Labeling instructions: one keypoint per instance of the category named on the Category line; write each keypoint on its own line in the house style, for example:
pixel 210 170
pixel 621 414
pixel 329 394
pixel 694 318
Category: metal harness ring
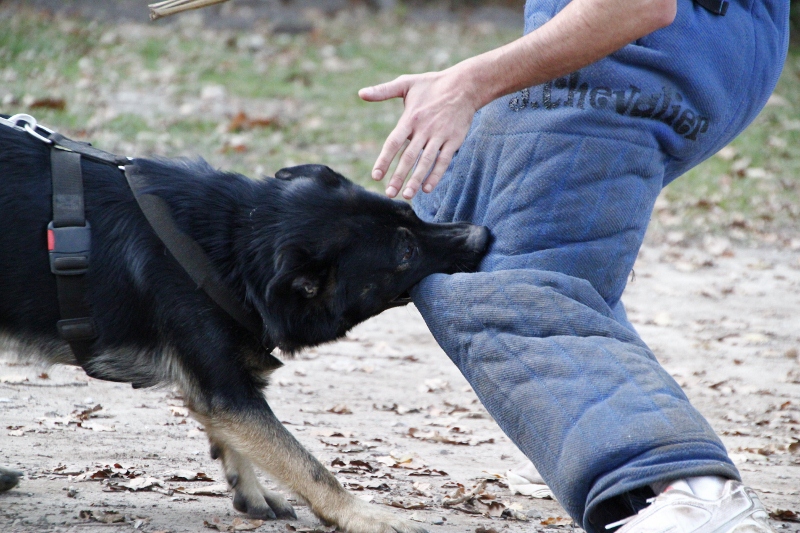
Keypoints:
pixel 29 125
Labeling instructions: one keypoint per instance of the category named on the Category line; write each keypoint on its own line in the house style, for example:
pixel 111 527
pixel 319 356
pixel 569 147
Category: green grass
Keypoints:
pixel 137 90
pixel 315 77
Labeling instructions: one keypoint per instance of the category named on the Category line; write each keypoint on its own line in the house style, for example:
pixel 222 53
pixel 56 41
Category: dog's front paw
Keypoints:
pixel 365 518
pixel 263 504
pixel 8 479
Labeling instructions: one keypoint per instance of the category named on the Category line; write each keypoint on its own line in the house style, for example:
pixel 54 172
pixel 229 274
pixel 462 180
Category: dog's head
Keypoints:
pixel 339 254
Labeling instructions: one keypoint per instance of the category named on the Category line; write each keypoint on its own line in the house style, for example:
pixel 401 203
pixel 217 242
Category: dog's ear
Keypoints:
pixel 320 172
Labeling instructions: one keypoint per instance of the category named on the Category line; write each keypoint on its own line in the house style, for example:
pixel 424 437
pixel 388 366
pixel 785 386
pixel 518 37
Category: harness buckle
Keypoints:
pixel 69 249
pixel 76 329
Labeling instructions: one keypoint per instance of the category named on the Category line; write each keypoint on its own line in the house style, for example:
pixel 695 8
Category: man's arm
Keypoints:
pixel 439 105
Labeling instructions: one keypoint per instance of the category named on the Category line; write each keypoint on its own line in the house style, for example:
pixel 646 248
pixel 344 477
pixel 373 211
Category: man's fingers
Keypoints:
pixel 424 166
pixel 393 89
pixel 404 164
pixel 442 162
pixel 394 143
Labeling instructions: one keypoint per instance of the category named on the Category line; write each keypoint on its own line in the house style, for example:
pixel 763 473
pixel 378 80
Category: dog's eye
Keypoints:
pixel 409 253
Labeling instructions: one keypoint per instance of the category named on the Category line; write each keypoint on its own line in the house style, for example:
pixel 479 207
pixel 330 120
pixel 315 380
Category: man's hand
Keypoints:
pixel 439 105
pixel 438 112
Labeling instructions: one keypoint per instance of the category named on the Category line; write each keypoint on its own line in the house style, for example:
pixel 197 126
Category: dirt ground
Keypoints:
pixel 389 413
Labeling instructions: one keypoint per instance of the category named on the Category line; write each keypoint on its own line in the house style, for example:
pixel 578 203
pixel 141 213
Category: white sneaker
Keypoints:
pixel 736 509
pixel 525 480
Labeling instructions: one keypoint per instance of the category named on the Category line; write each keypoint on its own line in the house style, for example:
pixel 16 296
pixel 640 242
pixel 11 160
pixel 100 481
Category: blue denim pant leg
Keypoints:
pixel 565 176
pixel 540 333
pixel 578 393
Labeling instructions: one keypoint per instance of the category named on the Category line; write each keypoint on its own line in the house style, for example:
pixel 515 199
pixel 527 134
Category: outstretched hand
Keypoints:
pixel 439 105
pixel 438 112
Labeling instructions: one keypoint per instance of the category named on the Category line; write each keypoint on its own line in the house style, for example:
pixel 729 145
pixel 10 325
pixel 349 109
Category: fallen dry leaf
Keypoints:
pixel 403 504
pixel 340 409
pixel 238 524
pixel 356 466
pixel 220 489
pixel 510 513
pixel 87 413
pixel 318 529
pixel 59 104
pixel 435 436
pixel 398 409
pixel 492 509
pixel 394 460
pixel 241 121
pixel 115 472
pixel 461 495
pixel 556 521
pixel 105 517
pixel 423 489
pixel 179 411
pixel 94 426
pixel 188 475
pixel 435 385
pixel 65 470
pixel 242 524
pixel 428 472
pixel 785 515
pixel 139 484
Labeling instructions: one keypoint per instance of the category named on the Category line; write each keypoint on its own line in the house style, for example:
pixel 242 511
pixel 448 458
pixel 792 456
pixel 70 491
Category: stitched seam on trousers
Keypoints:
pixel 501 344
pixel 627 373
pixel 603 397
pixel 518 182
pixel 697 417
pixel 569 134
pixel 605 190
pixel 531 371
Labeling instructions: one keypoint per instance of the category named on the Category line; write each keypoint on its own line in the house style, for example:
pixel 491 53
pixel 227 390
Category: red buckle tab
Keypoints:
pixel 51 240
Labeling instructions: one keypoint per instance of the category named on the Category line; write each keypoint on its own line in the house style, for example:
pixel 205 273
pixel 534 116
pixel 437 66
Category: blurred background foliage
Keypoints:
pixel 253 86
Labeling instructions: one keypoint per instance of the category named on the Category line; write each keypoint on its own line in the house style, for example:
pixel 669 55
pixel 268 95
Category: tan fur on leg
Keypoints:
pixel 262 438
pixel 250 496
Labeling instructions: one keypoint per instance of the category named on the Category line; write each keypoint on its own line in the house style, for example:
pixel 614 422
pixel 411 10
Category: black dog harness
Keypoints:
pixel 69 238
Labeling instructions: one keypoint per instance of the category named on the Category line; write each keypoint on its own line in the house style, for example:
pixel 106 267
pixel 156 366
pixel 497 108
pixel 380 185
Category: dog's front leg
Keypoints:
pixel 250 496
pixel 256 433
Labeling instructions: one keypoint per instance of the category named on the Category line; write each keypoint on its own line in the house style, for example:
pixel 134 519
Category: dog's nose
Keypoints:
pixel 478 239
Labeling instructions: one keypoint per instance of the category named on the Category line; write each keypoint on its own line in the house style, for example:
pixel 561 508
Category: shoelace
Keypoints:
pixel 624 521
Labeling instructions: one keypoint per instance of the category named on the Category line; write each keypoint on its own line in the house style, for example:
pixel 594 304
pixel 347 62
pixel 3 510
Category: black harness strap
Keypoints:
pixel 193 259
pixel 718 7
pixel 87 150
pixel 69 241
pixel 189 254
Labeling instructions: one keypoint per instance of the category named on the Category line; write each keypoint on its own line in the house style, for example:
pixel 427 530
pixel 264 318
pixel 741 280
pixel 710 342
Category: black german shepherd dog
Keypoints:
pixel 308 252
